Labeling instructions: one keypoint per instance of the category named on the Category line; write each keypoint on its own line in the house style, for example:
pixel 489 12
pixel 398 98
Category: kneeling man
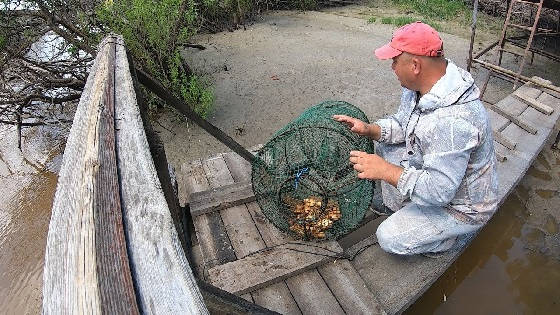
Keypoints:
pixel 435 157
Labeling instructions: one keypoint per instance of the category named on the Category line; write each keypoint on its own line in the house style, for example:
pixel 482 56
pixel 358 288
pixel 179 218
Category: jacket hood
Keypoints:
pixel 455 87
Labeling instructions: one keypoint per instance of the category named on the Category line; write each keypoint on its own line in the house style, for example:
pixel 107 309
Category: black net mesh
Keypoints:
pixel 303 180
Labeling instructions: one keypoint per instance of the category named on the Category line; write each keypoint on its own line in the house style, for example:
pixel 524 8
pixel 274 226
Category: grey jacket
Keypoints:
pixel 450 159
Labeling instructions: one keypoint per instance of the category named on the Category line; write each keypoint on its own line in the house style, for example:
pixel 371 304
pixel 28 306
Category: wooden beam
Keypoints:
pixel 515 75
pixel 498 137
pixel 221 198
pixel 183 108
pixel 163 279
pixel 115 281
pixel 86 261
pixel 512 118
pixel 278 263
pixel 545 109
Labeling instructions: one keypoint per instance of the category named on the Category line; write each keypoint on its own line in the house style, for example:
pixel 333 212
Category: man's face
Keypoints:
pixel 402 66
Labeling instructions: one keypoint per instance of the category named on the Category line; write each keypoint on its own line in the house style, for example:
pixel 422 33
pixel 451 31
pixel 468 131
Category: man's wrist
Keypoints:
pixel 374 131
pixel 392 173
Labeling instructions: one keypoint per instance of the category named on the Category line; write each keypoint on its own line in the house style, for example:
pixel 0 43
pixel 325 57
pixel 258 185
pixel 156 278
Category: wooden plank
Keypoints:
pixel 163 279
pixel 545 109
pixel 70 249
pixel 239 225
pixel 272 265
pixel 210 231
pixel 221 198
pixel 277 296
pixel 361 233
pixel 115 285
pixel 312 294
pixel 501 139
pixel 497 121
pixel 547 91
pixel 499 69
pixel 349 288
pixel 86 266
pixel 398 280
pixel 271 235
pixel 247 297
pixel 239 168
pixel 513 119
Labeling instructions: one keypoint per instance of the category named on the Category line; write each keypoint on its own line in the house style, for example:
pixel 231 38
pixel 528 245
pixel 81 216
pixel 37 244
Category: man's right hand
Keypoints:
pixel 372 131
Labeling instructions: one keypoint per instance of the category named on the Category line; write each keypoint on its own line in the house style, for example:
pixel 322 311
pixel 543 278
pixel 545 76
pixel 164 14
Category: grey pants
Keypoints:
pixel 414 229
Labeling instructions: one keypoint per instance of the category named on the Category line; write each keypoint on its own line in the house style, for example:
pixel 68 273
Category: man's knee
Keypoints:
pixel 389 241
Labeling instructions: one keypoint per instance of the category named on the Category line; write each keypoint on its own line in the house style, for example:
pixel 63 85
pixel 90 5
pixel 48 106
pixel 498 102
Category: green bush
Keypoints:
pixel 154 32
pixel 371 20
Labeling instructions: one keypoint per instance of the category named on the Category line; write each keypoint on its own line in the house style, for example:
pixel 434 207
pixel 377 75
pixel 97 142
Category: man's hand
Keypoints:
pixel 372 166
pixel 372 131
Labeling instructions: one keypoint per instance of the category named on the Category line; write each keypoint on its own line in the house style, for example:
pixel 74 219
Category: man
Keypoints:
pixel 435 157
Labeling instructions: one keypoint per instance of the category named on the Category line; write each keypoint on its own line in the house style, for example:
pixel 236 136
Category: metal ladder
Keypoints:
pixel 504 40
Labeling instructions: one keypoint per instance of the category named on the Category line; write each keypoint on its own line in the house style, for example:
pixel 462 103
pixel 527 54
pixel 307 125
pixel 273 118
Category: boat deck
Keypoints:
pixel 238 250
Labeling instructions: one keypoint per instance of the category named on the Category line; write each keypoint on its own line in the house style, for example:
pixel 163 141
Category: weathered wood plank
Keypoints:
pixel 163 278
pixel 397 280
pixel 239 225
pixel 275 264
pixel 545 109
pixel 243 233
pixel 239 168
pixel 349 288
pixel 312 294
pixel 497 121
pixel 81 273
pixel 221 198
pixel 501 139
pixel 210 231
pixel 271 235
pixel 361 233
pixel 513 119
pixel 277 296
pixel 115 285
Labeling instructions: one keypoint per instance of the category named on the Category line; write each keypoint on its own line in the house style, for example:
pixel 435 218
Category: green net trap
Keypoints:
pixel 303 180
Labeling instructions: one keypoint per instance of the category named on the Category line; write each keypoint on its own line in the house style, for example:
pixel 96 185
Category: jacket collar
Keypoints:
pixel 456 86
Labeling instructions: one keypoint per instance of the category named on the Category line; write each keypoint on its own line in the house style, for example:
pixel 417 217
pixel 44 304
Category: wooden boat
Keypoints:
pixel 116 240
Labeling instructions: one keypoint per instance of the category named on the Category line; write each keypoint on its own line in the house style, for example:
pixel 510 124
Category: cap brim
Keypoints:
pixel 387 52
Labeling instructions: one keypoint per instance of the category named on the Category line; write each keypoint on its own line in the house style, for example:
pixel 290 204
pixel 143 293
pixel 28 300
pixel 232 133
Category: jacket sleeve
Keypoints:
pixel 446 155
pixel 393 128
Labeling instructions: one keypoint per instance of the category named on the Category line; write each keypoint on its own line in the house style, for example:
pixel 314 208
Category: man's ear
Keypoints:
pixel 416 65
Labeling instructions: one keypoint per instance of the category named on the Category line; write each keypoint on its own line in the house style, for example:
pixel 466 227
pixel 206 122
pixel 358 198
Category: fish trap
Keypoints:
pixel 303 180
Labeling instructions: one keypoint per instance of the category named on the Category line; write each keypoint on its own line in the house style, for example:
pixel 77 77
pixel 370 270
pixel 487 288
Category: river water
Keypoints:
pixel 27 187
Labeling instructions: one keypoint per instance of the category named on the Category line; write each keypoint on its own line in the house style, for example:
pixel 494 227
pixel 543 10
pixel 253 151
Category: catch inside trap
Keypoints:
pixel 303 180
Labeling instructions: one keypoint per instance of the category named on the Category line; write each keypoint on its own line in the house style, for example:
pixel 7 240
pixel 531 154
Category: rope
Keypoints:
pixel 301 172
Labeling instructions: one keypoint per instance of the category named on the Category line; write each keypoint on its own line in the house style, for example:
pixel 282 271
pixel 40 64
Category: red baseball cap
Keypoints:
pixel 415 38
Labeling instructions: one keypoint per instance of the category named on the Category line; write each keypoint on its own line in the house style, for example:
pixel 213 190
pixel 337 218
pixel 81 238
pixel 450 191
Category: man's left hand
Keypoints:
pixel 373 167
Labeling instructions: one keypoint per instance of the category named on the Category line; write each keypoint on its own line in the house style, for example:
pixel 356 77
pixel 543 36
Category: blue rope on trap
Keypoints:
pixel 299 174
